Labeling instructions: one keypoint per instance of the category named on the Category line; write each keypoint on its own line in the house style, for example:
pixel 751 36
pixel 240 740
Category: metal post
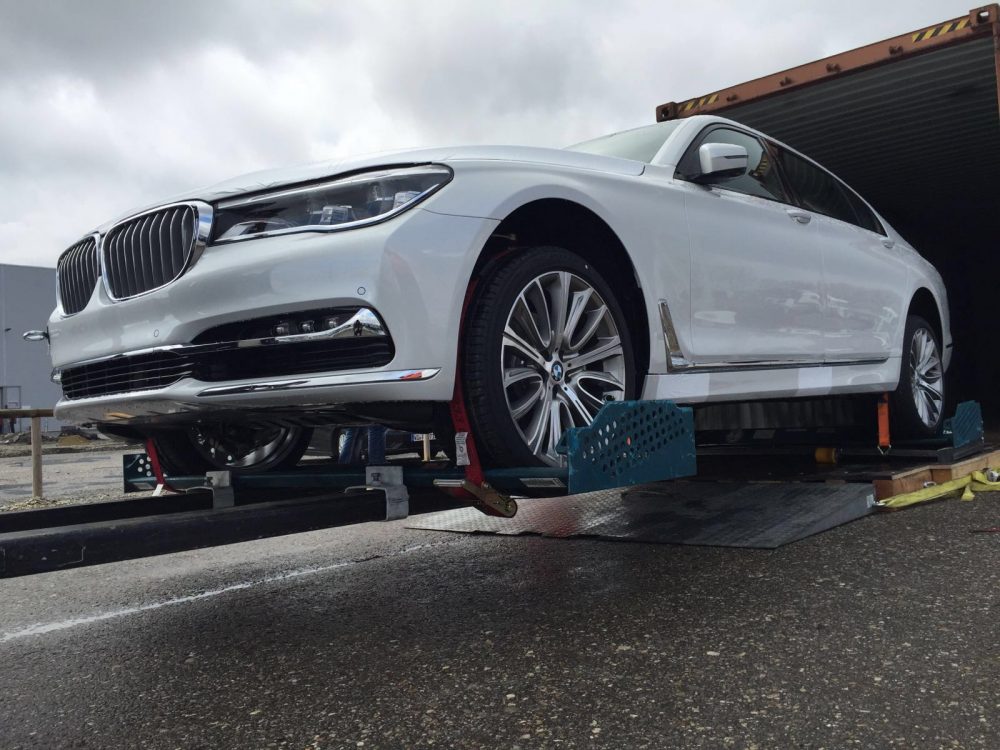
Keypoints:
pixel 427 447
pixel 389 479
pixel 36 456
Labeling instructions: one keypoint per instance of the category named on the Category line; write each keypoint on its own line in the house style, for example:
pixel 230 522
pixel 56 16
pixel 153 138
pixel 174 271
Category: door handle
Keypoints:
pixel 802 217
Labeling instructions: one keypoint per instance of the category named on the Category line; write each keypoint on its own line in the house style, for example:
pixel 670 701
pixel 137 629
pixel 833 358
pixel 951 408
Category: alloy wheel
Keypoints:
pixel 926 377
pixel 561 359
pixel 230 447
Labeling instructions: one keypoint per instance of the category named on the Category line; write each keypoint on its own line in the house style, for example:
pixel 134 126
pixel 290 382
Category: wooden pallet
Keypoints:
pixel 946 472
pixel 898 482
pixel 892 483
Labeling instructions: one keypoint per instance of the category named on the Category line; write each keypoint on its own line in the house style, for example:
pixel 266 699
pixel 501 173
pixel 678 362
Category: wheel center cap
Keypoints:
pixel 557 371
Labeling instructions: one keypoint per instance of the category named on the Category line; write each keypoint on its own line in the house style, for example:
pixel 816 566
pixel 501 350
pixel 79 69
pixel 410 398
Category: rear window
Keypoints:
pixel 866 217
pixel 815 188
pixel 638 144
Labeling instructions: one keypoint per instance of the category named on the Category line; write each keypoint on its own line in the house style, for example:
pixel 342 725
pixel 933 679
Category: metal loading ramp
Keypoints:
pixel 718 514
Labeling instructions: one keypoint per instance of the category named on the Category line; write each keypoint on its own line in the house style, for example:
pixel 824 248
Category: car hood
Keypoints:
pixel 275 178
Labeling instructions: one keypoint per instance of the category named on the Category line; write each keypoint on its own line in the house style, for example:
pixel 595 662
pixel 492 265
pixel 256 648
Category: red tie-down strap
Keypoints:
pixel 460 419
pixel 154 461
pixel 486 499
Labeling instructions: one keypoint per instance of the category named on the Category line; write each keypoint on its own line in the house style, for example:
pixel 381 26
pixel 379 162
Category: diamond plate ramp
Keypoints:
pixel 737 514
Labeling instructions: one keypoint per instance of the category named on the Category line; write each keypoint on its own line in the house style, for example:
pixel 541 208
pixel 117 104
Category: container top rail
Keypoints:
pixel 979 22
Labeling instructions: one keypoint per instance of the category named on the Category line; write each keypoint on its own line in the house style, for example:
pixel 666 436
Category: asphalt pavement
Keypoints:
pixel 882 633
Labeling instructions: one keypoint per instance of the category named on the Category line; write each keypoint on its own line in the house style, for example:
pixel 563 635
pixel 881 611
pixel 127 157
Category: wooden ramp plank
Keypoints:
pixel 959 469
pixel 904 481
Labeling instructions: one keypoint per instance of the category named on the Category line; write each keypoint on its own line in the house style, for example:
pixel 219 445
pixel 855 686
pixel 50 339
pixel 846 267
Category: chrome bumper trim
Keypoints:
pixel 363 324
pixel 322 381
pixel 190 398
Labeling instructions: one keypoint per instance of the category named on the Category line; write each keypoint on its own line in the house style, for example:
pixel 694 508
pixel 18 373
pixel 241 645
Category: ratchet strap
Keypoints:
pixel 488 500
pixel 884 439
pixel 975 482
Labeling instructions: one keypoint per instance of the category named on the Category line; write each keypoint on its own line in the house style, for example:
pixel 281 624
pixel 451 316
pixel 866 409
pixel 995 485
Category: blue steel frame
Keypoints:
pixel 629 442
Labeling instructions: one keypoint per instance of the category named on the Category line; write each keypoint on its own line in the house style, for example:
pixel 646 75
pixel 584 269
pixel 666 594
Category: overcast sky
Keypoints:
pixel 109 105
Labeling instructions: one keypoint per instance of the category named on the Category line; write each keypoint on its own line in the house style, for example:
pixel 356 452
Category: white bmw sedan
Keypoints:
pixel 694 260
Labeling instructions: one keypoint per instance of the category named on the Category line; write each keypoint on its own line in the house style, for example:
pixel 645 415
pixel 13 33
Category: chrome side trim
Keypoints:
pixel 365 321
pixel 678 363
pixel 789 364
pixel 203 226
pixel 321 381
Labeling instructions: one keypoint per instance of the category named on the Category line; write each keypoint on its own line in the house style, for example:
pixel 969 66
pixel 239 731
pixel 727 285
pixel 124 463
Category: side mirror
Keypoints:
pixel 720 161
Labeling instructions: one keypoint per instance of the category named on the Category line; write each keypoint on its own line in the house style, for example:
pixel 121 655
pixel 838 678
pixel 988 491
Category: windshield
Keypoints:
pixel 639 144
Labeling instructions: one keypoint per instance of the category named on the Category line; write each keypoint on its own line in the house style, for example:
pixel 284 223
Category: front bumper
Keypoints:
pixel 412 271
pixel 190 400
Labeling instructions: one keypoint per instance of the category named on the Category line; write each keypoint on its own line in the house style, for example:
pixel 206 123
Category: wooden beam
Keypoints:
pixel 36 456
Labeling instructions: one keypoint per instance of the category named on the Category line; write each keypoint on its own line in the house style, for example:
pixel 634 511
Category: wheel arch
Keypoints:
pixel 565 223
pixel 925 304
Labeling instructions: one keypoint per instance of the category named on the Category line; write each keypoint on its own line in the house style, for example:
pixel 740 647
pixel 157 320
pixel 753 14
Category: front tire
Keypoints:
pixel 240 449
pixel 546 343
pixel 918 401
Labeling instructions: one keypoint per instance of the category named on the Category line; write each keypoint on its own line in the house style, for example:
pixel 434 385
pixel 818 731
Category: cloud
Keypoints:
pixel 109 105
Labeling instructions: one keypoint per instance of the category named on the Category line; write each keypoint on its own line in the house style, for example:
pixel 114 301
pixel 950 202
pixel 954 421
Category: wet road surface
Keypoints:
pixel 882 633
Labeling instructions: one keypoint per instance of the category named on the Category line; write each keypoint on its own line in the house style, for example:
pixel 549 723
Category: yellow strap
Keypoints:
pixel 969 485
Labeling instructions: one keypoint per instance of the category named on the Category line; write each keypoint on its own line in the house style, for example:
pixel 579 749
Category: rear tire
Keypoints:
pixel 240 449
pixel 545 344
pixel 918 401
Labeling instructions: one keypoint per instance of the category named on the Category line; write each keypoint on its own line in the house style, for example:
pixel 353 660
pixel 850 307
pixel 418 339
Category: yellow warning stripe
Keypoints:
pixel 691 104
pixel 945 28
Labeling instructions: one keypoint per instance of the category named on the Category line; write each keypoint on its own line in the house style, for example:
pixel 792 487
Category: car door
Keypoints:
pixel 865 279
pixel 756 273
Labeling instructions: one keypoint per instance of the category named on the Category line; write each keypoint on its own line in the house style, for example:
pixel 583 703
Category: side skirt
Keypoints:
pixel 695 386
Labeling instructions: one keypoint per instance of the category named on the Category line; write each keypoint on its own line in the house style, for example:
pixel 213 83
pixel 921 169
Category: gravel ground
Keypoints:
pixel 88 474
pixel 52 447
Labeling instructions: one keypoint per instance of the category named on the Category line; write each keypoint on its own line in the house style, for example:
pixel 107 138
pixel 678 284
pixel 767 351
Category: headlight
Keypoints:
pixel 340 204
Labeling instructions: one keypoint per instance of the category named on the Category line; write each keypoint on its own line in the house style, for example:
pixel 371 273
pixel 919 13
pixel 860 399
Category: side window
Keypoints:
pixel 815 189
pixel 761 178
pixel 866 218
